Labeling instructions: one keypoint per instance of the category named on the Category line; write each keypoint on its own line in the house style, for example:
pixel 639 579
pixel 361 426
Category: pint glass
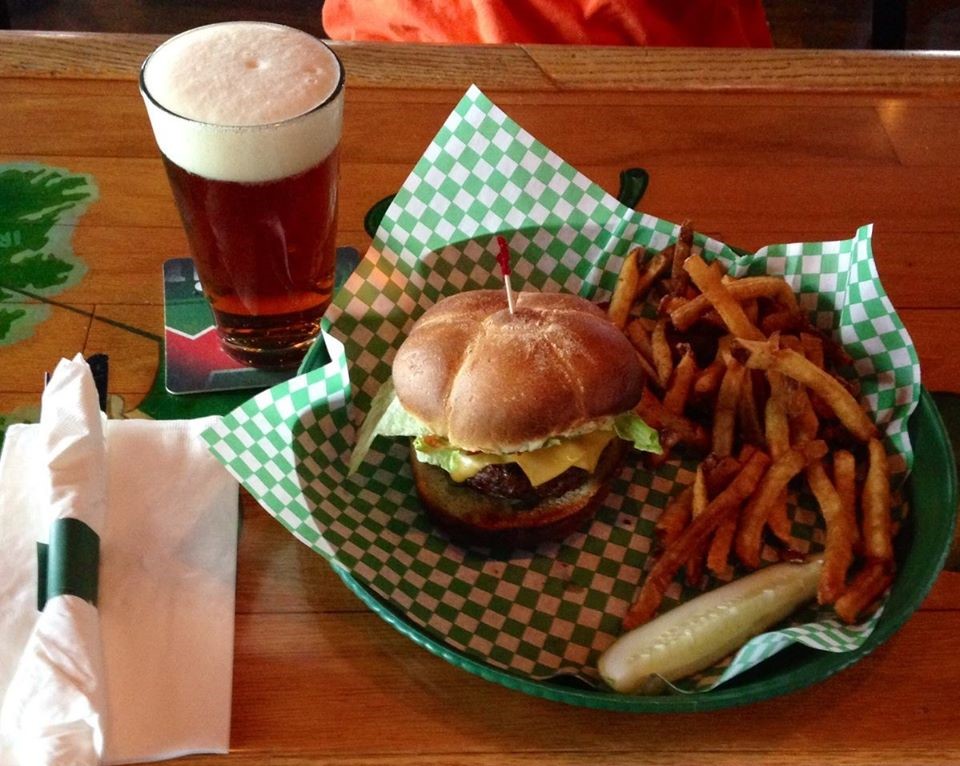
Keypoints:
pixel 247 117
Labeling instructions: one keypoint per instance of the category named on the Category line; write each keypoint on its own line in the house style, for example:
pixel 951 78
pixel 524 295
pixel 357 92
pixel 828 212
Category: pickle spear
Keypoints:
pixel 696 634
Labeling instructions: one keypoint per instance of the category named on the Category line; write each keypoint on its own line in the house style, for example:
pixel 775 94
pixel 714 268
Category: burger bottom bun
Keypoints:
pixel 475 519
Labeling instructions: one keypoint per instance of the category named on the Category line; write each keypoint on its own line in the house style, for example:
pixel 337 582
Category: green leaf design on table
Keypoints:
pixel 7 318
pixel 39 206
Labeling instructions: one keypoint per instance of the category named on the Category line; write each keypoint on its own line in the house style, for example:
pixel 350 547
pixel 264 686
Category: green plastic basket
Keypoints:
pixel 923 544
pixel 922 547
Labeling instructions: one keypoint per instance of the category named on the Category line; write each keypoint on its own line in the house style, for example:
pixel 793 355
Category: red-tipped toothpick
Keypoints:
pixel 503 258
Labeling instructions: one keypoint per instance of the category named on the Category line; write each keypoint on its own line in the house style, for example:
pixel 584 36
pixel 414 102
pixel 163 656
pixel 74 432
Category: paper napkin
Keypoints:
pixel 142 670
pixel 54 705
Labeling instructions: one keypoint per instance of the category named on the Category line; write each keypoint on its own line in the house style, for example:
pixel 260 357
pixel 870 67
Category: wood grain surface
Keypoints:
pixel 755 147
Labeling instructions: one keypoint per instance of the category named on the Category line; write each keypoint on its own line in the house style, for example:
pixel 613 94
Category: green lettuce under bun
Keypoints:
pixel 388 418
pixel 632 428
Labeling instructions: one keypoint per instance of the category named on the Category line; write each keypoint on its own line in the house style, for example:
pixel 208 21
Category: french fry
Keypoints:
pixel 805 424
pixel 713 319
pixel 700 497
pixel 708 379
pixel 685 316
pixel 699 504
pixel 670 303
pixel 662 354
pixel 641 342
pixel 657 416
pixel 721 299
pixel 752 310
pixel 675 517
pixel 867 586
pixel 720 471
pixel 692 538
pixel 675 400
pixel 801 369
pixel 640 339
pixel 626 289
pixel 653 270
pixel 668 440
pixel 778 520
pixel 792 342
pixel 718 557
pixel 783 320
pixel 775 420
pixel 754 516
pixel 821 408
pixel 648 370
pixel 724 413
pixel 777 432
pixel 845 480
pixel 812 346
pixel 715 479
pixel 875 503
pixel 723 404
pixel 716 473
pixel 695 564
pixel 679 279
pixel 838 553
pixel 748 414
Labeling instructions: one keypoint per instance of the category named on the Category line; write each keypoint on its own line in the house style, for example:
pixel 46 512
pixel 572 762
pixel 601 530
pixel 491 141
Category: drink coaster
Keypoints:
pixel 195 360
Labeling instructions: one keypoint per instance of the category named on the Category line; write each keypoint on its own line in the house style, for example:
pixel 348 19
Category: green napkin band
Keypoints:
pixel 69 563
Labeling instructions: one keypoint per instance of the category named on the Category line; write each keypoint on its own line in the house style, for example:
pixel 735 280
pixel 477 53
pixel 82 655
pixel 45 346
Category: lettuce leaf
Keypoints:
pixel 630 427
pixel 385 418
pixel 388 418
pixel 438 452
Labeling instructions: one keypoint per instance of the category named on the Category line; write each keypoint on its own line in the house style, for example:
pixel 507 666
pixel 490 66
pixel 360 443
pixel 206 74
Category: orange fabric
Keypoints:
pixel 734 23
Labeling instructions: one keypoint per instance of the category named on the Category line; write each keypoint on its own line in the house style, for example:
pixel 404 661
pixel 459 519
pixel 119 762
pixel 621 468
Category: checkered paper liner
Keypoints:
pixel 551 610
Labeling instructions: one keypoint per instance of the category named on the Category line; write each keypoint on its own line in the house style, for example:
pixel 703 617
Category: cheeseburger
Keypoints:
pixel 516 420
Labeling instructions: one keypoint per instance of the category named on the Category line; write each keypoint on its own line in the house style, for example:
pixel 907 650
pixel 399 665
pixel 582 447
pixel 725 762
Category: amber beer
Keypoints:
pixel 247 117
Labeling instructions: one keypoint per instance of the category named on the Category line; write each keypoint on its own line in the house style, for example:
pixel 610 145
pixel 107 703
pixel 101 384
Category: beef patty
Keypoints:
pixel 508 481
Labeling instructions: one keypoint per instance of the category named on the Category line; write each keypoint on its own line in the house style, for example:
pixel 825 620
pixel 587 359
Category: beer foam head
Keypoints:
pixel 244 101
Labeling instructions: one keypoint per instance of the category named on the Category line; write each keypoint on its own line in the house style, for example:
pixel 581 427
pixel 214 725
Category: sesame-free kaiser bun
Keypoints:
pixel 523 412
pixel 489 381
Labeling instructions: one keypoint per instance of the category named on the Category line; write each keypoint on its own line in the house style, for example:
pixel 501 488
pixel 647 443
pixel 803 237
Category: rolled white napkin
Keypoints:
pixel 55 702
pixel 146 675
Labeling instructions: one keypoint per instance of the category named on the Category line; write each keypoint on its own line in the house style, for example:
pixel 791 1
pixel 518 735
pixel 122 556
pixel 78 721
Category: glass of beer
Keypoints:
pixel 248 116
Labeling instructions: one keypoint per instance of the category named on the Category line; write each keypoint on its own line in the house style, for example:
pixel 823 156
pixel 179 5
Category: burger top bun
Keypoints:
pixel 492 382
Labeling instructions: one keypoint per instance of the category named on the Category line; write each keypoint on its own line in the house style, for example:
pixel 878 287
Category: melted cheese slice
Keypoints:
pixel 542 464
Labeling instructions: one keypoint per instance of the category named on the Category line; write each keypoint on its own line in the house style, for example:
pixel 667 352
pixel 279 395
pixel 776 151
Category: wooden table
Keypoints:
pixel 756 147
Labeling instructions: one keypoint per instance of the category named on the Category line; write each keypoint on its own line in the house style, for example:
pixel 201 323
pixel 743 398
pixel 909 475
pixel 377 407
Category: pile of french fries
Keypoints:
pixel 738 376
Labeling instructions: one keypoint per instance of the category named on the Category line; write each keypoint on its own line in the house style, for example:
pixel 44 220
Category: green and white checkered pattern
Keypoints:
pixel 826 635
pixel 838 284
pixel 550 610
